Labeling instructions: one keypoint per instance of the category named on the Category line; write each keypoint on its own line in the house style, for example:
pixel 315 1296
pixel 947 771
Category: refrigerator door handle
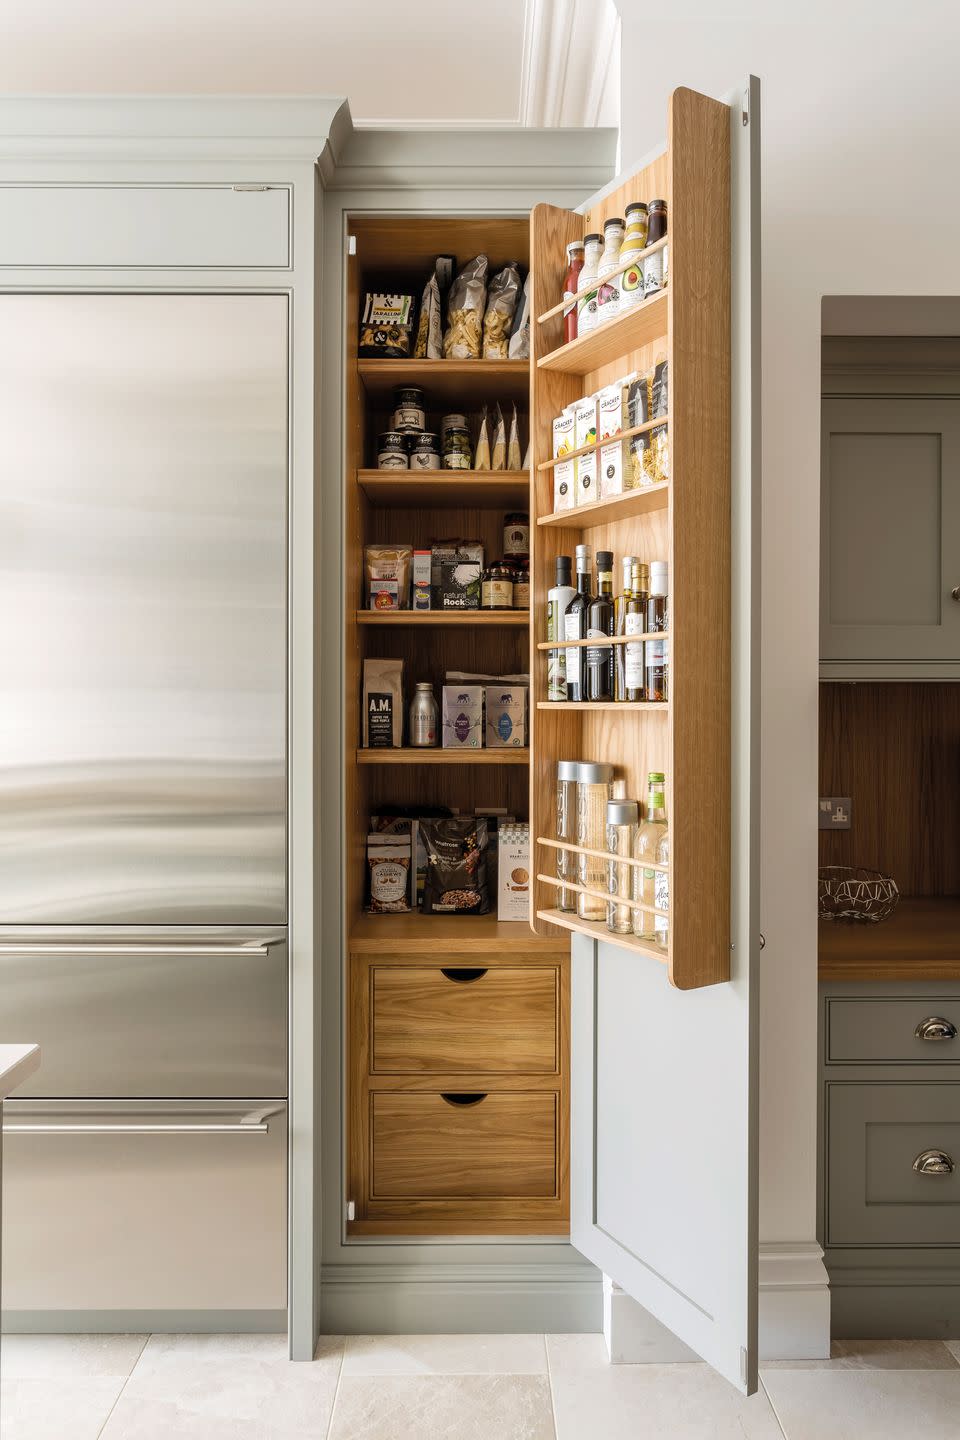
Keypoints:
pixel 189 949
pixel 255 1122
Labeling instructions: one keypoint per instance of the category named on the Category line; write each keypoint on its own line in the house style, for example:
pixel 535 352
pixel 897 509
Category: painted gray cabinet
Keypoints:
pixel 890 518
pixel 889 1200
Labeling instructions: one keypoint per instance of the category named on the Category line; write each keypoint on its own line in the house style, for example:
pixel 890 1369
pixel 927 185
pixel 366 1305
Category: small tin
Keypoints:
pixel 392 451
pixel 424 451
pixel 408 412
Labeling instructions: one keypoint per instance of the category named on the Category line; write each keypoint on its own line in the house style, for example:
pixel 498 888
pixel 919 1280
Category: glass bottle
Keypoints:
pixel 646 849
pixel 598 666
pixel 654 266
pixel 619 628
pixel 424 717
pixel 567 829
pixel 656 671
pixel 635 623
pixel 608 292
pixel 558 598
pixel 575 624
pixel 587 284
pixel 622 819
pixel 574 266
pixel 593 792
pixel 634 242
pixel 657 615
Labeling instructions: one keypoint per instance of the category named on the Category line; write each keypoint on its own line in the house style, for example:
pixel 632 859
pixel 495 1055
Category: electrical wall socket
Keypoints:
pixel 835 812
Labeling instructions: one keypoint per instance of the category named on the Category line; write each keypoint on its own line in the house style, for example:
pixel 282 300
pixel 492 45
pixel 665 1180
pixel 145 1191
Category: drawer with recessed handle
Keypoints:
pixel 893 1156
pixel 909 1030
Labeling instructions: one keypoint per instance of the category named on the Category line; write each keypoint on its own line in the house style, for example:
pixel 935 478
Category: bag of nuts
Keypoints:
pixel 456 878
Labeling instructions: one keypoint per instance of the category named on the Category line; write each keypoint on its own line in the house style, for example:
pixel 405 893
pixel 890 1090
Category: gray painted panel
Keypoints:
pixel 881 1029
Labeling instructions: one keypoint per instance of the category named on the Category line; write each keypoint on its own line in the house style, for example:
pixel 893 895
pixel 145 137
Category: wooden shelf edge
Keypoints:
pixel 651 706
pixel 598 931
pixel 627 434
pixel 519 618
pixel 412 934
pixel 637 260
pixel 451 477
pixel 436 755
pixel 641 325
pixel 615 507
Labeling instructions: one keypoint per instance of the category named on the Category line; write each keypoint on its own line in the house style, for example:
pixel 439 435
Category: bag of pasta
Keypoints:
pixel 656 457
pixel 520 336
pixel 465 309
pixel 429 344
pixel 502 296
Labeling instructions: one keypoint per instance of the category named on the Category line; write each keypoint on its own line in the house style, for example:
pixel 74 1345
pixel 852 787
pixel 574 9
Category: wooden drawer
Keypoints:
pixel 881 1030
pixel 876 1131
pixel 482 1020
pixel 447 1146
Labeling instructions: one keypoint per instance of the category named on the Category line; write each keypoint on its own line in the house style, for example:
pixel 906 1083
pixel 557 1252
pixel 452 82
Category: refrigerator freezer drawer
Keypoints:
pixel 144 1206
pixel 161 1018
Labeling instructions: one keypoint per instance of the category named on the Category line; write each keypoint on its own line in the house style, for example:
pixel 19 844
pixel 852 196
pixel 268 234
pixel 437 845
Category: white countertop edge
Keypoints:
pixel 17 1063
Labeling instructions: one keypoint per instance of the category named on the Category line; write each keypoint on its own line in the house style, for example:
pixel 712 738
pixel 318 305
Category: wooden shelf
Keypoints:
pixel 447 489
pixel 652 705
pixel 920 941
pixel 439 756
pixel 450 380
pixel 633 264
pixel 493 618
pixel 597 930
pixel 417 935
pixel 616 507
pixel 628 434
pixel 607 640
pixel 609 342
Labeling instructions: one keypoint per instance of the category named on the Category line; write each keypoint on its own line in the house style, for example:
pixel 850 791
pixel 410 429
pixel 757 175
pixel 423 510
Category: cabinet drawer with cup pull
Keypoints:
pixel 501 1019
pixel 911 1030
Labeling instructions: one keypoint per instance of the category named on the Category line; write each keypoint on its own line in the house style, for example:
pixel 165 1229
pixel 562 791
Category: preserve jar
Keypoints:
pixel 521 589
pixel 593 792
pixel 516 538
pixel 623 816
pixel 567 829
pixel 496 587
pixel 457 452
pixel 392 451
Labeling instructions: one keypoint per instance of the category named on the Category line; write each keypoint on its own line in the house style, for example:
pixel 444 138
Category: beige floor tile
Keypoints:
pixel 445 1355
pixel 876 1355
pixel 74 1407
pixel 862 1405
pixel 954 1347
pixel 443 1407
pixel 40 1357
pixel 648 1402
pixel 237 1386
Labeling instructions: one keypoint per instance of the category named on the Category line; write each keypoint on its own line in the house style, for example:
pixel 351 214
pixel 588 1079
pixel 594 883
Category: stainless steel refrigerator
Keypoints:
pixel 143 515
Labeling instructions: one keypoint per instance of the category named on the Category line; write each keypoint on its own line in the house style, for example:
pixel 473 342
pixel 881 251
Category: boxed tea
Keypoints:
pixel 513 872
pixel 612 413
pixel 564 474
pixel 585 433
pixel 462 717
pixel 422 580
pixel 506 716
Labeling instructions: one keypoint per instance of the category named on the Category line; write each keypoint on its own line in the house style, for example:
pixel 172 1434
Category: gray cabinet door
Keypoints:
pixel 664 1082
pixel 890 533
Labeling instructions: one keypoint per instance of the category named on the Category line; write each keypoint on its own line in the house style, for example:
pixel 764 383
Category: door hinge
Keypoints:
pixel 743 1366
pixel 351 1210
pixel 257 188
pixel 351 244
pixel 745 109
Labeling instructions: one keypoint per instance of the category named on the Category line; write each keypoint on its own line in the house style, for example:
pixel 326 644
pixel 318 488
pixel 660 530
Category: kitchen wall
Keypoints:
pixel 860 113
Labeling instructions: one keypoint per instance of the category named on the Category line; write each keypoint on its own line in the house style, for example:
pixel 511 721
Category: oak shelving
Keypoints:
pixel 439 489
pixel 462 619
pixel 439 756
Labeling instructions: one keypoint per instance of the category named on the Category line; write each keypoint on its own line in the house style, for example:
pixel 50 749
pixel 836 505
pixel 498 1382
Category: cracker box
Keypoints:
pixel 506 707
pixel 612 413
pixel 422 580
pixel 513 872
pixel 462 717
pixel 564 474
pixel 585 433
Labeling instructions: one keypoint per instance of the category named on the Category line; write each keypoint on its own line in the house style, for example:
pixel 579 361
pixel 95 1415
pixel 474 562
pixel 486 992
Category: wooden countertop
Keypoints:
pixel 17 1062
pixel 920 941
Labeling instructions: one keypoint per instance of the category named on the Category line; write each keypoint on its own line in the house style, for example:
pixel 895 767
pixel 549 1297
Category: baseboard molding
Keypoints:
pixel 144 1322
pixel 895 1296
pixel 794 1319
pixel 473 1299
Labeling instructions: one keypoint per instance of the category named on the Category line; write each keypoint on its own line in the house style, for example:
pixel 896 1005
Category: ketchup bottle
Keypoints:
pixel 574 266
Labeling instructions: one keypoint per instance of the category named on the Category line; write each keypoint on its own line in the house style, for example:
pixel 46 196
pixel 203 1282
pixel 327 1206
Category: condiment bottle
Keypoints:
pixel 608 293
pixel 622 819
pixel 593 792
pixel 654 266
pixel 574 266
pixel 587 284
pixel 657 614
pixel 634 242
pixel 567 828
pixel 424 717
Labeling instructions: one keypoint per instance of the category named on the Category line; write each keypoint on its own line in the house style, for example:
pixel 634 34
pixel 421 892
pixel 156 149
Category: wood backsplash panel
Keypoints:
pixel 895 750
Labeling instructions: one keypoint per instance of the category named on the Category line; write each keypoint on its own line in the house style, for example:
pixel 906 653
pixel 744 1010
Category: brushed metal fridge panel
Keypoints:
pixel 143 501
pixel 149 1016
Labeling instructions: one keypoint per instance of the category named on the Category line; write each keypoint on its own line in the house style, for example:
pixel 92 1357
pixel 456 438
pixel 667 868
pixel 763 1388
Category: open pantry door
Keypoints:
pixel 664 1140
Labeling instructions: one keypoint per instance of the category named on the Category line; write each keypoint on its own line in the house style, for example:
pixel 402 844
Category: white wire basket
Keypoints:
pixel 854 895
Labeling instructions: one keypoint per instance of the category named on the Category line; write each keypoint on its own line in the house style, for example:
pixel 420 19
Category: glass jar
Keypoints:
pixel 521 589
pixel 655 266
pixel 496 587
pixel 516 538
pixel 567 829
pixel 630 283
pixel 392 451
pixel 408 408
pixel 457 451
pixel 608 291
pixel 425 451
pixel 593 792
pixel 622 819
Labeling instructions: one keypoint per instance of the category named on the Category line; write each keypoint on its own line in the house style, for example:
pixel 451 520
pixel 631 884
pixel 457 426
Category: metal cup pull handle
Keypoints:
pixel 936 1028
pixel 933 1162
pixel 463 1098
pixel 463 974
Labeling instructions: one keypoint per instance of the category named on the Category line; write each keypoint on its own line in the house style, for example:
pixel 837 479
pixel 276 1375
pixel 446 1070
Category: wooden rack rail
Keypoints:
pixel 599 854
pixel 606 895
pixel 601 444
pixel 638 259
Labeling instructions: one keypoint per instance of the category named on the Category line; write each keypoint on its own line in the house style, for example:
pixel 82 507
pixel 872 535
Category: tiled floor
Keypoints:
pixel 458 1387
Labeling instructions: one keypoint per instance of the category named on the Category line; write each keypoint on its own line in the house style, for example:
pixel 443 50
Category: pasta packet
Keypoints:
pixel 520 338
pixel 481 457
pixel 656 456
pixel 513 445
pixel 638 413
pixel 502 296
pixel 467 303
pixel 429 344
pixel 499 443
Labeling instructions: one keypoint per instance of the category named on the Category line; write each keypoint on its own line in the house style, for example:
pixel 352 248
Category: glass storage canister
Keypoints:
pixel 593 792
pixel 496 587
pixel 392 451
pixel 425 451
pixel 457 450
pixel 408 408
pixel 567 829
pixel 623 817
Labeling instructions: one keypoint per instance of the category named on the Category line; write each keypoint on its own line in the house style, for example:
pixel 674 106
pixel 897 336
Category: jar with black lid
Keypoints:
pixel 408 408
pixel 392 451
pixel 655 265
pixel 496 587
pixel 516 538
pixel 424 451
pixel 521 589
